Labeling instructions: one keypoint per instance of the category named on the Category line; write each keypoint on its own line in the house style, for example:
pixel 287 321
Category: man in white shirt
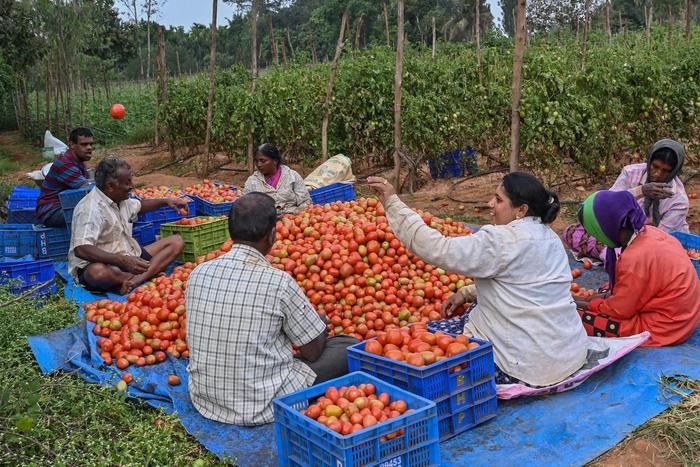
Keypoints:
pixel 244 316
pixel 103 254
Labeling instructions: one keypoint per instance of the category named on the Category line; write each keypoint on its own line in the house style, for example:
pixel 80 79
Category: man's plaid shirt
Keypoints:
pixel 243 316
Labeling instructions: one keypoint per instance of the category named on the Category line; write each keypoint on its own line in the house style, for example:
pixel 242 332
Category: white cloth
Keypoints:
pixel 100 222
pixel 291 195
pixel 523 281
pixel 243 316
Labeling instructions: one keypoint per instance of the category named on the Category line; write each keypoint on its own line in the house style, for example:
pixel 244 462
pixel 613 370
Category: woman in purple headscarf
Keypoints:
pixel 656 187
pixel 653 285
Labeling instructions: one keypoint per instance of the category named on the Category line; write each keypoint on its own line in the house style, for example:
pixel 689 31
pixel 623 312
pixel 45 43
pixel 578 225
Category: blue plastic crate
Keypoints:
pixel 69 200
pixel 18 240
pixel 690 242
pixel 166 214
pixel 23 275
pixel 205 208
pixel 54 242
pixel 22 216
pixel 20 190
pixel 467 418
pixel 23 197
pixel 302 441
pixel 433 381
pixel 333 192
pixel 462 400
pixel 144 233
pixel 457 163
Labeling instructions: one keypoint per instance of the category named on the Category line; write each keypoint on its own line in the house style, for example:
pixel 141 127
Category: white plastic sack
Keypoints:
pixel 50 141
pixel 336 169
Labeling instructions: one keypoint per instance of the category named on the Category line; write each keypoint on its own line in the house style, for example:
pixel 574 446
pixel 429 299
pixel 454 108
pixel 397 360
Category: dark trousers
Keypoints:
pixel 333 362
pixel 55 220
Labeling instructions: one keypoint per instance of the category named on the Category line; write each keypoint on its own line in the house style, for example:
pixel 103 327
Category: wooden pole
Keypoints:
pixel 358 31
pixel 329 89
pixel 273 43
pixel 398 79
pixel 670 23
pixel 254 73
pixel 689 19
pixel 649 15
pixel 434 48
pixel 47 95
pixel 517 85
pixel 212 89
pixel 386 25
pixel 477 33
pixel 291 47
pixel 608 28
pixel 162 87
pixel 177 62
pixel 586 31
pixel 284 51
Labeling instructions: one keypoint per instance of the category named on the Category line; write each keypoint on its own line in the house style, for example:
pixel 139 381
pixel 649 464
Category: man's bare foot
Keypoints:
pixel 127 285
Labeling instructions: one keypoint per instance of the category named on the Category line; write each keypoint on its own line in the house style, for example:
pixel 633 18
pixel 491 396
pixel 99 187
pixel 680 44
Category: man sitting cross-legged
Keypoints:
pixel 103 254
pixel 244 316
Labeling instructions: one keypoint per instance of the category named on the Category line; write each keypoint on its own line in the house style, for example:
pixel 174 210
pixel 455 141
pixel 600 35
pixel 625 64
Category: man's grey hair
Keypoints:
pixel 107 170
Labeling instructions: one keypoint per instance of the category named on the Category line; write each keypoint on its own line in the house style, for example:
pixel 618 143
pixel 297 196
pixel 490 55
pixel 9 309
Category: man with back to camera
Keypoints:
pixel 243 316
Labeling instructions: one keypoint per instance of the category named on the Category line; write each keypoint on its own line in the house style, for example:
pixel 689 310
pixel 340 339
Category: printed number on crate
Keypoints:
pixel 395 462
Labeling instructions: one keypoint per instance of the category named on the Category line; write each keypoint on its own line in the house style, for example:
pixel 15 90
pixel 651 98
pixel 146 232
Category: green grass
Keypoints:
pixel 61 419
pixel 679 427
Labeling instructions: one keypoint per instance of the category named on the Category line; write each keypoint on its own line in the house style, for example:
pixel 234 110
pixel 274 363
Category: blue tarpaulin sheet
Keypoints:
pixel 570 428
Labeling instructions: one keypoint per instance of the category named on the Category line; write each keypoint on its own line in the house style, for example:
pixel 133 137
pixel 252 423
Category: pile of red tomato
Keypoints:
pixel 209 191
pixel 354 269
pixel 158 192
pixel 191 221
pixel 347 410
pixel 343 255
pixel 150 323
pixel 417 346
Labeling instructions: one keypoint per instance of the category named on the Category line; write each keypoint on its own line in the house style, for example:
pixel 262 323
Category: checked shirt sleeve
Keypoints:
pixel 301 322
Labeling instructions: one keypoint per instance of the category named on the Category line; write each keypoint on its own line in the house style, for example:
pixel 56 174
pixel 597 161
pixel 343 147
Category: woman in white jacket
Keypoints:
pixel 521 274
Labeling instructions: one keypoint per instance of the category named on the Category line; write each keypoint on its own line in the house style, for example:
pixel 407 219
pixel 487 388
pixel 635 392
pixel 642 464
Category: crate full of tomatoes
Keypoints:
pixel 213 198
pixel 202 235
pixel 165 214
pixel 692 245
pixel 356 420
pixel 455 372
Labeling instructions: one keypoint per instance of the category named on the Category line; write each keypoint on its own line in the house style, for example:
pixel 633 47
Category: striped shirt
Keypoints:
pixel 67 173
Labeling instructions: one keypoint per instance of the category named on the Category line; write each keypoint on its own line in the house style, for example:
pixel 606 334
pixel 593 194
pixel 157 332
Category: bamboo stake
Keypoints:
pixel 291 47
pixel 386 25
pixel 398 79
pixel 358 31
pixel 254 73
pixel 177 62
pixel 516 89
pixel 434 51
pixel 329 89
pixel 212 89
pixel 47 95
pixel 477 33
pixel 274 51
